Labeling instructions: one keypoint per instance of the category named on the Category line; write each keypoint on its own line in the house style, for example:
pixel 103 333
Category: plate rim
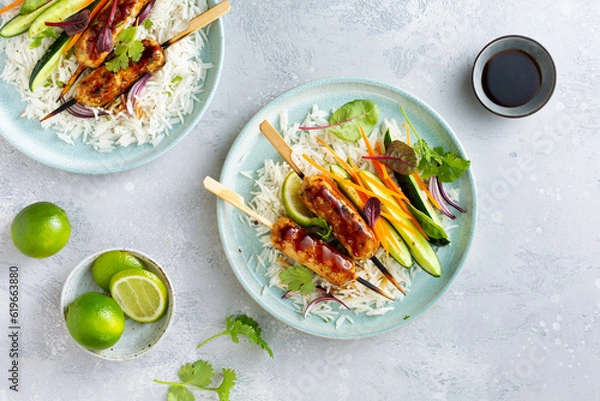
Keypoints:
pixel 253 122
pixel 99 170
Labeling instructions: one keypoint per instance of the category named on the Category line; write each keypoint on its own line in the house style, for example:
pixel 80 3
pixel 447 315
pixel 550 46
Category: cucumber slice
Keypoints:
pixel 435 232
pixel 396 246
pixel 21 23
pixel 419 247
pixel 48 62
pixel 31 5
pixel 59 11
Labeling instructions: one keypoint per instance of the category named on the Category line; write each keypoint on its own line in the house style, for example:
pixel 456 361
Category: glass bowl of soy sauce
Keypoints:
pixel 514 76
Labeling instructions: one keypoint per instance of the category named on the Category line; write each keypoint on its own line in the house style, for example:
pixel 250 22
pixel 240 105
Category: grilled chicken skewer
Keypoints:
pixel 86 48
pixel 324 200
pixel 92 92
pixel 298 244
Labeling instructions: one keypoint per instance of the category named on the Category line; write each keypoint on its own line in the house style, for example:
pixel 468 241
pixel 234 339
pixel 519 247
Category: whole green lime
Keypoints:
pixel 112 262
pixel 95 320
pixel 40 230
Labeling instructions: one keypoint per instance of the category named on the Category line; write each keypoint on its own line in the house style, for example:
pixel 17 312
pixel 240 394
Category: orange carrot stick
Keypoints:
pixel 424 188
pixel 11 6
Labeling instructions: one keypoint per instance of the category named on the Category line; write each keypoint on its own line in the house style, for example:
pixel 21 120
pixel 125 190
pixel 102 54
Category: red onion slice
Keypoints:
pixel 435 192
pixel 145 12
pixel 82 111
pixel 448 199
pixel 327 297
pixel 135 92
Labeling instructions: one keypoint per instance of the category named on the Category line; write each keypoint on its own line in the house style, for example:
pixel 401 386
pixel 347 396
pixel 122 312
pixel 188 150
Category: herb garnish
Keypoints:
pixel 372 210
pixel 128 48
pixel 241 325
pixel 447 166
pixel 199 376
pixel 399 157
pixel 354 114
pixel 298 278
pixel 148 23
pixel 74 24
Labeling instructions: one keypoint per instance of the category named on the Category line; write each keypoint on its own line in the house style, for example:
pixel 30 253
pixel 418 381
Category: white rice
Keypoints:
pixel 165 101
pixel 267 202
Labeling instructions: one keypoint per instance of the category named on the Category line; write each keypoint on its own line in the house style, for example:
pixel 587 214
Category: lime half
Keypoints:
pixel 294 207
pixel 141 294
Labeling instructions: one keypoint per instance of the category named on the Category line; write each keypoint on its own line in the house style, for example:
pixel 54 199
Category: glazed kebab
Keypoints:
pixel 102 86
pixel 300 245
pixel 325 200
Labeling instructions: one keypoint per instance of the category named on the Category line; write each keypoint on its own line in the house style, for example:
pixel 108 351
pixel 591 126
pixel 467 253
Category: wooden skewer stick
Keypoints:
pixel 234 199
pixel 210 15
pixel 280 145
pixel 237 200
pixel 286 152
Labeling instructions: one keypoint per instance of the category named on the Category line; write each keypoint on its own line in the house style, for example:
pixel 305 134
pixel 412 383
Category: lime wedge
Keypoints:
pixel 141 294
pixel 294 207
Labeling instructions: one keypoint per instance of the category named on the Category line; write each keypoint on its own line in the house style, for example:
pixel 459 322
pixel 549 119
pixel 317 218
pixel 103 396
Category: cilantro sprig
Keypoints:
pixel 436 162
pixel 241 325
pixel 128 48
pixel 298 278
pixel 199 376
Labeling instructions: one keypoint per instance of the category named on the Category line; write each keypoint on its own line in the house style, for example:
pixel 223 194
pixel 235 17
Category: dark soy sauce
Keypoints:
pixel 511 78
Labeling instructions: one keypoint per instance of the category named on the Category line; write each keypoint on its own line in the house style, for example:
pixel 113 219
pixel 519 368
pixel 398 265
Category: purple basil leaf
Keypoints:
pixel 372 211
pixel 399 157
pixel 74 24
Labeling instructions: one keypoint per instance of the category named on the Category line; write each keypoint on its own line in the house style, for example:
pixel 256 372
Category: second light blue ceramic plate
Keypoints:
pixel 44 146
pixel 251 149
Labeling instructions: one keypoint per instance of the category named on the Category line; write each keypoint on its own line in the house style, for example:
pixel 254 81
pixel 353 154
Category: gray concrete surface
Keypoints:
pixel 521 322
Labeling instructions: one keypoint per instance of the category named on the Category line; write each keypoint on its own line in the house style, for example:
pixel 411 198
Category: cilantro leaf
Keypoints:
pixel 127 49
pixel 200 373
pixel 148 23
pixel 127 35
pixel 198 376
pixel 452 168
pixel 245 326
pixel 119 62
pixel 177 393
pixel 298 278
pixel 229 378
pixel 135 50
pixel 447 166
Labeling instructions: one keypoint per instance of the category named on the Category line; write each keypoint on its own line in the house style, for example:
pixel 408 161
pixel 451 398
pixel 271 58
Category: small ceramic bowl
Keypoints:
pixel 540 56
pixel 138 338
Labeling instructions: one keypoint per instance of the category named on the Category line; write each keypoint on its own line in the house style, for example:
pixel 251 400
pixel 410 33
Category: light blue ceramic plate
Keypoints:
pixel 138 338
pixel 251 149
pixel 44 146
